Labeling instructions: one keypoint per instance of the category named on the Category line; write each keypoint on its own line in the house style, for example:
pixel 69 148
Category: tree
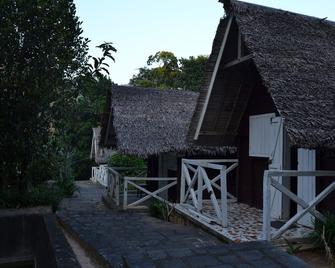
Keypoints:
pixel 192 72
pixel 41 51
pixel 165 70
pixel 163 74
pixel 74 129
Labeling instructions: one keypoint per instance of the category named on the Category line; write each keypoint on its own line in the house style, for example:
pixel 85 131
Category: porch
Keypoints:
pixel 205 200
pixel 244 223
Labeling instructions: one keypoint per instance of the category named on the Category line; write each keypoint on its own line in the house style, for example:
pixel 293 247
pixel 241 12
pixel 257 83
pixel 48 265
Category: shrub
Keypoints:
pixel 159 209
pixel 66 186
pixel 323 235
pixel 40 195
pixel 120 160
pixel 137 164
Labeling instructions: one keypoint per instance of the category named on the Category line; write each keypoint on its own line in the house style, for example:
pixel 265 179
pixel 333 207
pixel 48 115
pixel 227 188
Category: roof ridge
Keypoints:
pixel 229 4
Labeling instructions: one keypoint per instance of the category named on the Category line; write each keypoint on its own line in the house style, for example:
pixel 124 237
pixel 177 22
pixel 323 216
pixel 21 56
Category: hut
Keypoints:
pixel 271 93
pixel 153 124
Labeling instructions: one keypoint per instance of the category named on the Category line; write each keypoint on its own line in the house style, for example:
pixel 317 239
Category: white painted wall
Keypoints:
pixel 306 185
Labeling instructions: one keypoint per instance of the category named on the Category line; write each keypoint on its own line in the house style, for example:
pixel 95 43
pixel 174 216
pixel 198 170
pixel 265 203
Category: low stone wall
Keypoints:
pixel 33 237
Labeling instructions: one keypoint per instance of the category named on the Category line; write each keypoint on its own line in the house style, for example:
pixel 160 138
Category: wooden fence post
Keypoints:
pixel 224 208
pixel 117 188
pixel 125 192
pixel 182 182
pixel 200 191
pixel 266 206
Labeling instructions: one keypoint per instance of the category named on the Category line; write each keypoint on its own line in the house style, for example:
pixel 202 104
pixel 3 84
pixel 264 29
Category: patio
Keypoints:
pixel 244 222
pixel 204 199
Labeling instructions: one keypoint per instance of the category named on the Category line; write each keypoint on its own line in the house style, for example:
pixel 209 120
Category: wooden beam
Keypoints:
pixel 230 115
pixel 295 173
pixel 239 44
pixel 211 84
pixel 150 194
pixel 238 61
pixel 300 214
pixel 211 133
pixel 197 161
pixel 150 179
pixel 297 199
pixel 266 228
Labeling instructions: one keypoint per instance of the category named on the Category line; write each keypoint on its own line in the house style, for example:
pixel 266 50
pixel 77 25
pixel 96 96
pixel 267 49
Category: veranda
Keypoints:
pixel 204 199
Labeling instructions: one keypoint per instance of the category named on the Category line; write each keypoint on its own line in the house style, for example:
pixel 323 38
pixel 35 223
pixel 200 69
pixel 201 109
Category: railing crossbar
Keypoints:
pixel 300 214
pixel 189 181
pixel 212 194
pixel 194 179
pixel 204 183
pixel 151 179
pixel 268 181
pixel 149 194
pixel 296 199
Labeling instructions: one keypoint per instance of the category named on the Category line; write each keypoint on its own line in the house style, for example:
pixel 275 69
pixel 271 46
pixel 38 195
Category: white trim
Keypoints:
pixel 308 207
pixel 199 178
pixel 217 64
pixel 306 186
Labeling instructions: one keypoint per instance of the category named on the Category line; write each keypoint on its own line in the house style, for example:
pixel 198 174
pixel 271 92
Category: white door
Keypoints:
pixel 266 140
pixel 306 185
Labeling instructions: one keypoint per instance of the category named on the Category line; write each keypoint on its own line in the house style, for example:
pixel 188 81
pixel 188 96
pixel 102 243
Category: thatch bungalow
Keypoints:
pixel 153 124
pixel 271 93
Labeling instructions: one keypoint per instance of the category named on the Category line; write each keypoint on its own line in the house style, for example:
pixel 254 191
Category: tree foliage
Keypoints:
pixel 51 95
pixel 165 70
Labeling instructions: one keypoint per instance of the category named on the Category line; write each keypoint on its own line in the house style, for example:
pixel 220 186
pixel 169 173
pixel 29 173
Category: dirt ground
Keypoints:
pixel 314 258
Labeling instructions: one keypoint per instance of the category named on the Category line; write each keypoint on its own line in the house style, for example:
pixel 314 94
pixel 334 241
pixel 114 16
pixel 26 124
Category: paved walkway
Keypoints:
pixel 125 239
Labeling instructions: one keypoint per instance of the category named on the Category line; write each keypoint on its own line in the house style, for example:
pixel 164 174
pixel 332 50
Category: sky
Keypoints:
pixel 139 28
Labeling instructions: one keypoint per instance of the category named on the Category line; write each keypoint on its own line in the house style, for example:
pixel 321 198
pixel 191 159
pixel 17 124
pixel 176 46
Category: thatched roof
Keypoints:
pixel 294 56
pixel 147 122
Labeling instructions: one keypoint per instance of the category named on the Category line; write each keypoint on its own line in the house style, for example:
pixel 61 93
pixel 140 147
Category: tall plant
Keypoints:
pixel 44 74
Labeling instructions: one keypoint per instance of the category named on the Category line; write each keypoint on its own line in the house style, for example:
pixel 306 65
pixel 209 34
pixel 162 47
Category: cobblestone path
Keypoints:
pixel 129 239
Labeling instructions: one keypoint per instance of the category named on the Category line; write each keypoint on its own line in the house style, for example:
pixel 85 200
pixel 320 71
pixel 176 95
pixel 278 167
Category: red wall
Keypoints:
pixel 251 169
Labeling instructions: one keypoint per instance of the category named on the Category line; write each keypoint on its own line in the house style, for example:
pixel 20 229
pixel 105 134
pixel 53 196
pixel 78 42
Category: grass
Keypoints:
pixel 323 236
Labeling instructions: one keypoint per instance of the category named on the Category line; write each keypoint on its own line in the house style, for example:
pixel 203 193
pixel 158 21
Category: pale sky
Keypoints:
pixel 139 28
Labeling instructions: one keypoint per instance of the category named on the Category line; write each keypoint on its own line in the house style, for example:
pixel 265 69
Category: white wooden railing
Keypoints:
pixel 113 186
pixel 112 179
pixel 192 186
pixel 100 174
pixel 136 181
pixel 269 181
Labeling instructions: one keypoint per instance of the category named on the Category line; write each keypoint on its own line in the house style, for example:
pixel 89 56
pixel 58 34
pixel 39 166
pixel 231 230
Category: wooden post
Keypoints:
pixel 224 208
pixel 125 192
pixel 182 182
pixel 117 189
pixel 212 194
pixel 266 206
pixel 92 174
pixel 200 191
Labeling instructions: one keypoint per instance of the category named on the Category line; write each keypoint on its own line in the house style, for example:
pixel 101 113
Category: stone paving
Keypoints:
pixel 129 239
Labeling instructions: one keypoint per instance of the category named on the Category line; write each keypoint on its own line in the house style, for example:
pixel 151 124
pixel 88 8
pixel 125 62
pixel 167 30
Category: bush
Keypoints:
pixel 137 164
pixel 120 160
pixel 67 187
pixel 323 235
pixel 159 209
pixel 40 195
